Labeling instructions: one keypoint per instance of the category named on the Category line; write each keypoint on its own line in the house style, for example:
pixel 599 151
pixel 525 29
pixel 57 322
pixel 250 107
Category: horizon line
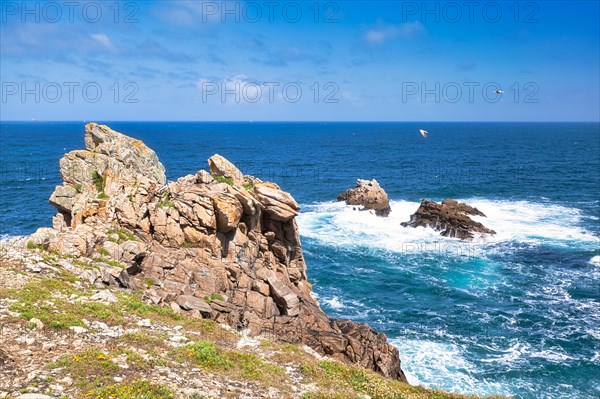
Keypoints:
pixel 289 121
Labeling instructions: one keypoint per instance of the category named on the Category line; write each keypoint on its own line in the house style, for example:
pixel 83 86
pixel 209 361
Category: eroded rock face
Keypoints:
pixel 450 218
pixel 220 166
pixel 230 252
pixel 369 195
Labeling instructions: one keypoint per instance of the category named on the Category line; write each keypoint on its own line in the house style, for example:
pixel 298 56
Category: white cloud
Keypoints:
pixel 382 32
pixel 103 40
pixel 378 36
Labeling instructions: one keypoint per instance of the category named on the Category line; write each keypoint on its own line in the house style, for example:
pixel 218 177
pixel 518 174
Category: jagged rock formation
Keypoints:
pixel 223 246
pixel 369 195
pixel 450 218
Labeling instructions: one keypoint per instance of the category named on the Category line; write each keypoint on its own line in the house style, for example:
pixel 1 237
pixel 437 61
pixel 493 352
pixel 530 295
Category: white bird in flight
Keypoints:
pixel 423 133
pixel 499 91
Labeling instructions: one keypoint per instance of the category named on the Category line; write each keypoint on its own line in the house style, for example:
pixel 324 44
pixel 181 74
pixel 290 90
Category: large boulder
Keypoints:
pixel 279 204
pixel 132 153
pixel 369 195
pixel 450 218
pixel 223 248
pixel 220 166
pixel 228 210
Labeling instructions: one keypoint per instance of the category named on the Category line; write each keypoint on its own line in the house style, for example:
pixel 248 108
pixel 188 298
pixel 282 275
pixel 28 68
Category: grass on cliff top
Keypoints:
pixel 223 179
pixel 228 180
pixel 242 365
pixel 211 349
pixel 140 389
pixel 340 381
pixel 49 300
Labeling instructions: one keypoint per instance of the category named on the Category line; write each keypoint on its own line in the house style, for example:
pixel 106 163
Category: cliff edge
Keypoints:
pixel 219 245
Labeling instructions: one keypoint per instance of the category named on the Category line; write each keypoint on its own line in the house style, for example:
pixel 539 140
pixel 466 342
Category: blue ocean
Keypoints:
pixel 516 314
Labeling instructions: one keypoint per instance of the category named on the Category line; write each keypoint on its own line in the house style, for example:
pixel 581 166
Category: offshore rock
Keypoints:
pixel 369 195
pixel 227 249
pixel 450 218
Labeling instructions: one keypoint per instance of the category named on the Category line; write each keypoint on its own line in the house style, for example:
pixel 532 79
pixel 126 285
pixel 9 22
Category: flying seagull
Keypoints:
pixel 499 91
pixel 423 132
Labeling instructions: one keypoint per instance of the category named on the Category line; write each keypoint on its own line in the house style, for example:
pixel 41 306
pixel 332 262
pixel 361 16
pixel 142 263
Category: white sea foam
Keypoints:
pixel 442 365
pixel 334 303
pixel 338 225
pixel 510 355
pixel 532 222
pixel 7 237
pixel 518 224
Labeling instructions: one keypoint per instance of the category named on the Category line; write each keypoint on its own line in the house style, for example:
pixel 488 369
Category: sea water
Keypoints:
pixel 517 313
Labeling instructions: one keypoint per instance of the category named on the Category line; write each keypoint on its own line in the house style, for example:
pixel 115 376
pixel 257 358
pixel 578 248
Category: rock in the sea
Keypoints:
pixel 450 218
pixel 369 195
pixel 232 241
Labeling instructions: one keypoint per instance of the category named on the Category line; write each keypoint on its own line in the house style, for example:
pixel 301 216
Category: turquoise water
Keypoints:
pixel 518 313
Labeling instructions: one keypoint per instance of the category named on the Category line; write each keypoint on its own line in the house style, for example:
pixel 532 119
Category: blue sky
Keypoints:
pixel 301 61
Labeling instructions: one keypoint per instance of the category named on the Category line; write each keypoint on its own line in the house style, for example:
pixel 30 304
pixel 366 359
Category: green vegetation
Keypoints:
pixel 209 299
pixel 56 302
pixel 77 187
pixel 245 365
pixel 124 235
pixel 32 245
pixel 141 389
pixel 223 179
pixel 100 183
pixel 110 262
pixel 208 356
pixel 336 380
pixel 35 300
pixel 45 299
pixel 93 370
pixel 165 202
pixel 143 340
pixel 248 186
pixel 90 368
pixel 133 304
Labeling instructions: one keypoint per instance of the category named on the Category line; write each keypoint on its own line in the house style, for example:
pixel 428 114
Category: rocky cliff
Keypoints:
pixel 218 245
